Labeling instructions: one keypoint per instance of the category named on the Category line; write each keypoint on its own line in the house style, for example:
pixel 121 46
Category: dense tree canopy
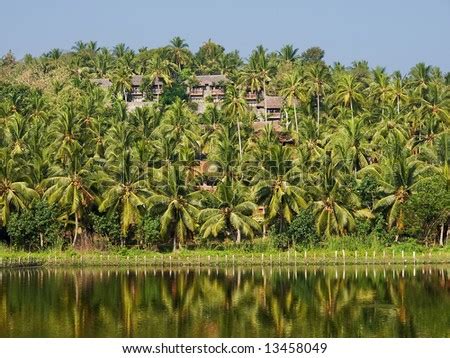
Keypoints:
pixel 353 144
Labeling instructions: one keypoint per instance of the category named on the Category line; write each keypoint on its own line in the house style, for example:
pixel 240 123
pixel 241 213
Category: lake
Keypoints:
pixel 372 301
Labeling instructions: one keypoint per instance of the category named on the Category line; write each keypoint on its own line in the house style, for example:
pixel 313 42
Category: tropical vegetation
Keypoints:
pixel 358 152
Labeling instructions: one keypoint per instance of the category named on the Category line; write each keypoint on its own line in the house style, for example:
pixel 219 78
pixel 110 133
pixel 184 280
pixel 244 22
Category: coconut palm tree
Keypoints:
pixel 348 91
pixel 70 187
pixel 15 193
pixel 276 186
pixel 235 107
pixel 229 211
pixel 335 206
pixel 397 180
pixel 125 192
pixel 179 52
pixel 172 198
pixel 293 91
pixel 318 80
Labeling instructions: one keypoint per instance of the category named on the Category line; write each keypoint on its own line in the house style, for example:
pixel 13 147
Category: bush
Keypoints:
pixel 36 227
pixel 106 225
pixel 147 233
pixel 302 230
pixel 427 209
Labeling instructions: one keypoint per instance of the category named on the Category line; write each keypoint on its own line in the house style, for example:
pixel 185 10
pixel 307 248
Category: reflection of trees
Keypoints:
pixel 224 303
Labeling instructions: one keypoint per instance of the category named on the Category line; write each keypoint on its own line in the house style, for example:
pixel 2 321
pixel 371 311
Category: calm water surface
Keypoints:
pixel 239 302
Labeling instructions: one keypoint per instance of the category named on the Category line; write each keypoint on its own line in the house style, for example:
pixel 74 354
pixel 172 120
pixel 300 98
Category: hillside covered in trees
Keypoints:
pixel 168 148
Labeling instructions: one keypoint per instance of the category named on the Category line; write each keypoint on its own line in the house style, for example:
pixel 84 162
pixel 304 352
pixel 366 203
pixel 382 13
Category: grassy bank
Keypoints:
pixel 202 257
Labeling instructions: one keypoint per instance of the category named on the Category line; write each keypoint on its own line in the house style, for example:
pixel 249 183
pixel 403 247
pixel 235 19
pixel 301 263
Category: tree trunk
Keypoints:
pixel 295 116
pixel 398 105
pixel 351 107
pixel 264 223
pixel 318 109
pixel 41 238
pixel 174 243
pixel 265 100
pixel 238 236
pixel 441 236
pixel 76 231
pixel 239 138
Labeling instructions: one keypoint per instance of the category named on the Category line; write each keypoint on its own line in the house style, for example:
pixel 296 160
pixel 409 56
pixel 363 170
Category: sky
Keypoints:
pixel 395 34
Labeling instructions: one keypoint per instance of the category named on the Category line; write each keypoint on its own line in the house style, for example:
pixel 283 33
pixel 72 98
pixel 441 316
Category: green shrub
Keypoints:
pixel 427 209
pixel 35 228
pixel 147 233
pixel 302 230
pixel 106 225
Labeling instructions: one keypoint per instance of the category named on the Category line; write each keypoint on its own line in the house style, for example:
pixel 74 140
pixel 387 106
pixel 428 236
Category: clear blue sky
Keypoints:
pixel 395 34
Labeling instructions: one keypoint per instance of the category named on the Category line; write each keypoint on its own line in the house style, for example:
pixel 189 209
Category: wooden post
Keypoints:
pixel 343 255
pixel 366 256
pixel 356 256
pixel 414 257
pixel 335 257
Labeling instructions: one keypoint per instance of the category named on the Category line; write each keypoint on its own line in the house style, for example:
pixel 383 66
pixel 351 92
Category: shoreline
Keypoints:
pixel 221 259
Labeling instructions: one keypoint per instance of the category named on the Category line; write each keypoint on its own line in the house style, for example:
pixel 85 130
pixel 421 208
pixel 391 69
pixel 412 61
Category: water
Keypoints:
pixel 233 302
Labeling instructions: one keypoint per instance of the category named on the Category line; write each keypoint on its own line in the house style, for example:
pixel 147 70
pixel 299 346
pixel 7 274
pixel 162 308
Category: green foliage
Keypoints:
pixel 301 231
pixel 428 207
pixel 35 228
pixel 312 55
pixel 178 90
pixel 106 225
pixel 148 230
pixel 361 148
pixel 352 243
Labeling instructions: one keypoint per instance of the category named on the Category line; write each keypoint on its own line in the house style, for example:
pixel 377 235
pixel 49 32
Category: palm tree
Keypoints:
pixel 15 193
pixel 348 91
pixel 419 78
pixel 172 198
pixel 258 73
pixel 228 211
pixel 276 186
pixel 288 53
pixel 318 78
pixel 397 180
pixel 179 52
pixel 161 69
pixel 335 206
pixel 126 192
pixel 398 90
pixel 70 188
pixel 121 79
pixel 292 91
pixel 235 106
